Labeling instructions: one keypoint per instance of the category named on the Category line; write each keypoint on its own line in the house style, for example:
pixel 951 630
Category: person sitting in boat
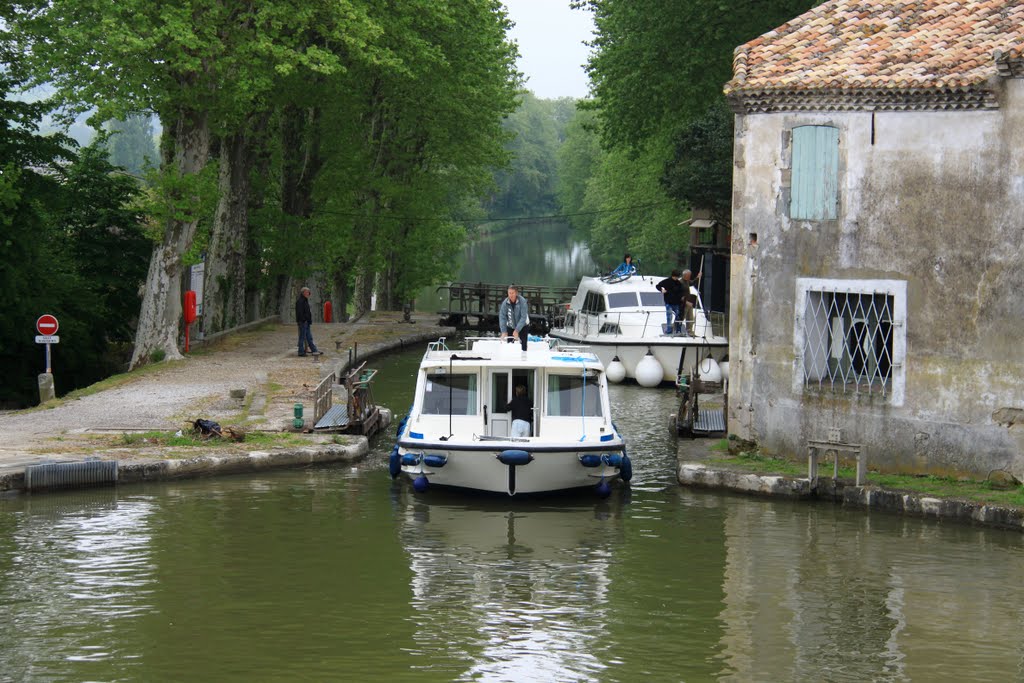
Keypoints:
pixel 514 317
pixel 626 268
pixel 522 412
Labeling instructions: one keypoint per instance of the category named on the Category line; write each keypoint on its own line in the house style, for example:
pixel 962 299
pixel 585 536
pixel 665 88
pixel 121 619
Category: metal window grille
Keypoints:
pixel 848 341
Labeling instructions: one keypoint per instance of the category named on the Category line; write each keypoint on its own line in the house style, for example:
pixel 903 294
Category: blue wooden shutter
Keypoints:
pixel 815 185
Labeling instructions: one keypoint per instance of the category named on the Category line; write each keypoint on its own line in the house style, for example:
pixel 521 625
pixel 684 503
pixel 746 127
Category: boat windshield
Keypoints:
pixel 651 299
pixel 567 395
pixel 622 300
pixel 438 400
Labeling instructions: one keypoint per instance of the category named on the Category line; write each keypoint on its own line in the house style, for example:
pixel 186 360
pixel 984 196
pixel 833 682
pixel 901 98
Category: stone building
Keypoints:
pixel 877 262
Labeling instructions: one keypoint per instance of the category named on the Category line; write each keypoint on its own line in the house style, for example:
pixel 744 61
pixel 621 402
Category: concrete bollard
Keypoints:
pixel 46 391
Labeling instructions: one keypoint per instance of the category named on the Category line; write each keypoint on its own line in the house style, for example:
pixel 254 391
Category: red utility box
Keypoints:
pixel 327 311
pixel 190 313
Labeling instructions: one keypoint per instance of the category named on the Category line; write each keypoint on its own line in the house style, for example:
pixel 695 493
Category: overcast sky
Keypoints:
pixel 550 38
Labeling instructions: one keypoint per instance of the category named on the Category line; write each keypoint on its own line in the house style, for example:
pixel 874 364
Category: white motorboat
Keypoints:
pixel 459 431
pixel 622 320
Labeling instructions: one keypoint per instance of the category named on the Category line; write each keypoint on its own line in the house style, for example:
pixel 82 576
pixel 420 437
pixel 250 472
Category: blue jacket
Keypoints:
pixel 513 316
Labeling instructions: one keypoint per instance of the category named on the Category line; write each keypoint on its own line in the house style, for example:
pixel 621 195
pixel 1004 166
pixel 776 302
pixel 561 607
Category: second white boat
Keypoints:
pixel 623 322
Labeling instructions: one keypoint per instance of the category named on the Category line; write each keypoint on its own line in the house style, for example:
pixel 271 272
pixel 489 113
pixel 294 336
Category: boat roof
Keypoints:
pixel 493 351
pixel 635 283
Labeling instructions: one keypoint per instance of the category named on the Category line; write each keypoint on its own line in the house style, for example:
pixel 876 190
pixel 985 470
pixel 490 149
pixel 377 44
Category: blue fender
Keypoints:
pixel 394 463
pixel 420 483
pixel 514 457
pixel 626 470
pixel 435 460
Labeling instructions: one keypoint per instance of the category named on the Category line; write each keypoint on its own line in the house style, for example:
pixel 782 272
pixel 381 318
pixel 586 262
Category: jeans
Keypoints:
pixel 524 338
pixel 671 314
pixel 520 428
pixel 306 339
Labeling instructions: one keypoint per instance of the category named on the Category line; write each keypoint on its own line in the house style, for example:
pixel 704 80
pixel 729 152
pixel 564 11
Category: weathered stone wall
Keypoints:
pixel 935 199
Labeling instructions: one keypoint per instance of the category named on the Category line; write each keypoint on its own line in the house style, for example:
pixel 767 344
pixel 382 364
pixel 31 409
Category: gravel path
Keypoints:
pixel 170 396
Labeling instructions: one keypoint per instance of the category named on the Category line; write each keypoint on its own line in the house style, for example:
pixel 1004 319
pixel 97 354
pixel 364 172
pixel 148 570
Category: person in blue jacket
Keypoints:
pixel 514 317
pixel 627 267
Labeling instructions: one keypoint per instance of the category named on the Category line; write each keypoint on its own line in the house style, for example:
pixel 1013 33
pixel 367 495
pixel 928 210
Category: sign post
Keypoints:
pixel 47 327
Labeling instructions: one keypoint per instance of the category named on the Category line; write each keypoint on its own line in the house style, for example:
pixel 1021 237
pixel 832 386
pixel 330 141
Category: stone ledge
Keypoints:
pixel 867 497
pixel 134 471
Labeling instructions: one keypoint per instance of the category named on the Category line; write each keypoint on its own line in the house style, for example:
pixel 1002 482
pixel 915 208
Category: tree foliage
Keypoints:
pixel 657 72
pixel 72 247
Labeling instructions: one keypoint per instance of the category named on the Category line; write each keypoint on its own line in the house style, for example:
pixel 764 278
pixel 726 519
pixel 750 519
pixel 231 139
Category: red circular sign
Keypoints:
pixel 47 324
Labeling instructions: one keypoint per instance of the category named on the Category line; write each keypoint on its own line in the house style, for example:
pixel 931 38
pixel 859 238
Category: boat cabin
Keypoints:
pixel 633 307
pixel 467 392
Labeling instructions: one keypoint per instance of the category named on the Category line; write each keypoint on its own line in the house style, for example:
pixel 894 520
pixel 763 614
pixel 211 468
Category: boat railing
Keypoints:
pixel 706 324
pixel 438 345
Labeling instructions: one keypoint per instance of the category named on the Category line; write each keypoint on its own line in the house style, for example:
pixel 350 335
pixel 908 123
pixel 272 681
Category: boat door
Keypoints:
pixel 503 382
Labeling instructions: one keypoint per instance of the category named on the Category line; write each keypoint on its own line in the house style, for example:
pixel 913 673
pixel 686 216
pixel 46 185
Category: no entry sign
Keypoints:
pixel 47 324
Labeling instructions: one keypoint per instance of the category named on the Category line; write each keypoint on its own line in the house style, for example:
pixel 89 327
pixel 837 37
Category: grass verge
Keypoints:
pixel 745 457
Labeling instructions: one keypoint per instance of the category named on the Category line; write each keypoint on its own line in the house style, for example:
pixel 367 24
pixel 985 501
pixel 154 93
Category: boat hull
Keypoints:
pixel 502 468
pixel 666 350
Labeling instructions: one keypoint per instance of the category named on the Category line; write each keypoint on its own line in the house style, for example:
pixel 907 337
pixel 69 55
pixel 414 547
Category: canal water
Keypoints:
pixel 338 573
pixel 537 254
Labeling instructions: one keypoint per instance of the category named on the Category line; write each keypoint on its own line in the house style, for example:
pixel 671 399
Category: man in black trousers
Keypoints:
pixel 304 318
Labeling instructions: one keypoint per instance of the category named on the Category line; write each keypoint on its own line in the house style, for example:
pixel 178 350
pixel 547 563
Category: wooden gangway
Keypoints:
pixel 359 414
pixel 475 304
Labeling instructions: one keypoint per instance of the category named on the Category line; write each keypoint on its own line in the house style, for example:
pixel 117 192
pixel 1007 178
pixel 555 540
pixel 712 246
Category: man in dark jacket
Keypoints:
pixel 672 291
pixel 304 319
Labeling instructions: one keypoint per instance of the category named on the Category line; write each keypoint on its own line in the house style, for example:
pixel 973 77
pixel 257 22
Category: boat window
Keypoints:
pixel 622 300
pixel 610 328
pixel 651 299
pixel 567 394
pixel 594 303
pixel 438 400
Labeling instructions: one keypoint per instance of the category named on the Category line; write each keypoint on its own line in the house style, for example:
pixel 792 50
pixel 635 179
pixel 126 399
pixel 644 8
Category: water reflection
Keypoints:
pixel 335 573
pixel 821 593
pixel 74 572
pixel 537 254
pixel 520 592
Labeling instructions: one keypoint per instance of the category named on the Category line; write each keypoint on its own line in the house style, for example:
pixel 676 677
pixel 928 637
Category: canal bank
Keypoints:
pixel 693 473
pixel 251 380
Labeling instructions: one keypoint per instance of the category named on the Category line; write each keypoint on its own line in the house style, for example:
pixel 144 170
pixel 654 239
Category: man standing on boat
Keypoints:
pixel 688 301
pixel 514 317
pixel 672 291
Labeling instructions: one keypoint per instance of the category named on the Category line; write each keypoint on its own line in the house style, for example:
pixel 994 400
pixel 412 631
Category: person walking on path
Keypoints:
pixel 514 317
pixel 672 291
pixel 304 319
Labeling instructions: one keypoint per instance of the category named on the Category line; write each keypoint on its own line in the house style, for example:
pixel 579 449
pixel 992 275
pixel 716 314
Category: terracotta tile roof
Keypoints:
pixel 848 45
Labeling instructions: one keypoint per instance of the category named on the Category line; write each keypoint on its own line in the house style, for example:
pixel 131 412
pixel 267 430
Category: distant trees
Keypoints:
pixel 131 144
pixel 657 72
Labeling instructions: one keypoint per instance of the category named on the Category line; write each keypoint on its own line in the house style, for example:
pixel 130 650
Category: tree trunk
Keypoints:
pixel 224 285
pixel 160 315
pixel 363 292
